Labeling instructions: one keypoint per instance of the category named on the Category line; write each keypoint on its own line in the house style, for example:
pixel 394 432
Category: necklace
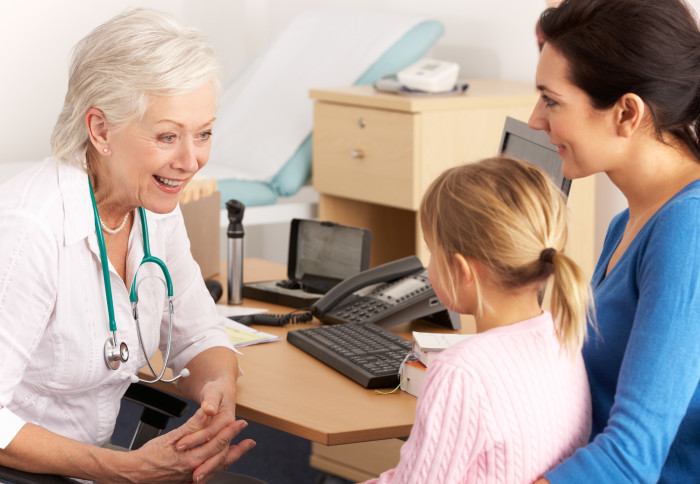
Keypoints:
pixel 118 229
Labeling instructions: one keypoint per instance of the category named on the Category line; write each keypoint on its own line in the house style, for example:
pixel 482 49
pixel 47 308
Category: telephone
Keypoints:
pixel 388 294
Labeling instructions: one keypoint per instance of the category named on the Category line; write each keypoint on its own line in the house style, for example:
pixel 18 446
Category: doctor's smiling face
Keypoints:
pixel 566 114
pixel 148 162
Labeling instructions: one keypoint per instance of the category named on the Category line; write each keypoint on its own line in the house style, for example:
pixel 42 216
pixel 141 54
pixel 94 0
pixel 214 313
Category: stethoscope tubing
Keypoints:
pixel 116 353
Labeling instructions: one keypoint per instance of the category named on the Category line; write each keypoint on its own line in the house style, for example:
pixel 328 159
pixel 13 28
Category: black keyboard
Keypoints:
pixel 364 352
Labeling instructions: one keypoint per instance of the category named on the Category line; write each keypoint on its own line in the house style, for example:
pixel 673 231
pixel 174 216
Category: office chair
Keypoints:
pixel 158 408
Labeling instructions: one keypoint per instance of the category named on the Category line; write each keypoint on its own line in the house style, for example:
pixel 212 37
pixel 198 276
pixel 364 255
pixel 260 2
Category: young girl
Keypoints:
pixel 512 401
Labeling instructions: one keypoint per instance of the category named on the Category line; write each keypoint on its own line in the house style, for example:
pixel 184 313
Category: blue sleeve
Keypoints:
pixel 661 365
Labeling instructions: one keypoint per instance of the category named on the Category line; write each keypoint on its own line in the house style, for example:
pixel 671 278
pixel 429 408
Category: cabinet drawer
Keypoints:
pixel 365 154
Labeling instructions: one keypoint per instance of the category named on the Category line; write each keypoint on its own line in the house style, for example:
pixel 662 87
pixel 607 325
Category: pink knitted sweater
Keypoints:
pixel 501 407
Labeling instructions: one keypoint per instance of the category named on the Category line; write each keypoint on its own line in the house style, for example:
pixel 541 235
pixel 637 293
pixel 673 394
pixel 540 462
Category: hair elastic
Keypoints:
pixel 547 255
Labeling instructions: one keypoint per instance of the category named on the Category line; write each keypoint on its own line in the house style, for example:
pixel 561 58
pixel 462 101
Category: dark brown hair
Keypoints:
pixel 650 48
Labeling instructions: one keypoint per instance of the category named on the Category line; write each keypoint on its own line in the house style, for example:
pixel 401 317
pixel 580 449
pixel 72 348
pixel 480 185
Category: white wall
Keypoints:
pixel 36 37
pixel 493 38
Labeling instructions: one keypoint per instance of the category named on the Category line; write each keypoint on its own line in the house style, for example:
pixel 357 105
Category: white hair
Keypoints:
pixel 120 63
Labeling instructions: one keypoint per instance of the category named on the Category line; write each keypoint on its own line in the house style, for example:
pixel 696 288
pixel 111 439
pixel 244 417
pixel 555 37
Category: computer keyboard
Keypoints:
pixel 364 352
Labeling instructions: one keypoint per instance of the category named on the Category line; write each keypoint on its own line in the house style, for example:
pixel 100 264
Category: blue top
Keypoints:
pixel 644 363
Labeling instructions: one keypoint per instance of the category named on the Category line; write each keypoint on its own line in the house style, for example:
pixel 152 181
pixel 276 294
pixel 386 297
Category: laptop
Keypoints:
pixel 524 143
pixel 321 254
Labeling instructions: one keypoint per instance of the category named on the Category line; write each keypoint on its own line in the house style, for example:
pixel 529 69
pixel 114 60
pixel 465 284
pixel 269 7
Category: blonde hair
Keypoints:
pixel 123 61
pixel 508 215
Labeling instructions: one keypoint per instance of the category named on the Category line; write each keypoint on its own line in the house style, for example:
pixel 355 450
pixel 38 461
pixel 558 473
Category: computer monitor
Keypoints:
pixel 524 143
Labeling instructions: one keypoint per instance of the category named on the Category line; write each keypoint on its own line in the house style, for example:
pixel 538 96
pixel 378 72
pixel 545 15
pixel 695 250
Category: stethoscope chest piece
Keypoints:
pixel 115 355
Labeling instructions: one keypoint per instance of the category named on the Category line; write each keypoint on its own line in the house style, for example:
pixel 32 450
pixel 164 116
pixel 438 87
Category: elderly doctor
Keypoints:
pixel 135 127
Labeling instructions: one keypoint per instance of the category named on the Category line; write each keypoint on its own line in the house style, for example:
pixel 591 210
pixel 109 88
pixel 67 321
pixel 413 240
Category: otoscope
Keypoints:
pixel 235 251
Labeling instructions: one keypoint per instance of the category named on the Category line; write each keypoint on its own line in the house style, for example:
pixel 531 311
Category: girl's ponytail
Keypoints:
pixel 571 299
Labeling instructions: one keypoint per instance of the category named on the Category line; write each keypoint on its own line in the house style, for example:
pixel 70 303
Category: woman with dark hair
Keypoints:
pixel 620 94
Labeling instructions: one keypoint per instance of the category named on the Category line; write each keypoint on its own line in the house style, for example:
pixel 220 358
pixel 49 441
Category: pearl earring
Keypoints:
pixel 105 150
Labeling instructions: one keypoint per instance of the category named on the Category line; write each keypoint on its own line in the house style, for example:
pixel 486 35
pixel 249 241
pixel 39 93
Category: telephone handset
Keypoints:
pixel 388 294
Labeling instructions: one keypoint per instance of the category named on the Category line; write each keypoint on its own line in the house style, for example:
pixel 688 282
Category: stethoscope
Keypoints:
pixel 115 353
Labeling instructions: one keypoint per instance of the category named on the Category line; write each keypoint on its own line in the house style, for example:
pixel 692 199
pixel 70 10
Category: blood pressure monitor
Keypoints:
pixel 430 75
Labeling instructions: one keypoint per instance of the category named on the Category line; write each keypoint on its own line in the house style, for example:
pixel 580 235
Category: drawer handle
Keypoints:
pixel 361 122
pixel 357 154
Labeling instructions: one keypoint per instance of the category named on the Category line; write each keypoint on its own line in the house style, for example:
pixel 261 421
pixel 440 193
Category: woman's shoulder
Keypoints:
pixel 679 214
pixel 31 202
pixel 23 177
pixel 687 196
pixel 33 189
pixel 689 193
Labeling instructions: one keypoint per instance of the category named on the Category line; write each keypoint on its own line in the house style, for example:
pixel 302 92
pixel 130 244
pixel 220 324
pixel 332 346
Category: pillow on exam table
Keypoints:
pixel 296 171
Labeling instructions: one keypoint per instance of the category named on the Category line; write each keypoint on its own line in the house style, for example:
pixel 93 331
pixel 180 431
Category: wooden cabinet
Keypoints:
pixel 367 154
pixel 374 155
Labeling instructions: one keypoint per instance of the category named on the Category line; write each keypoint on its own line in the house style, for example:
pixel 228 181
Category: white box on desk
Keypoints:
pixel 202 224
pixel 429 345
pixel 412 376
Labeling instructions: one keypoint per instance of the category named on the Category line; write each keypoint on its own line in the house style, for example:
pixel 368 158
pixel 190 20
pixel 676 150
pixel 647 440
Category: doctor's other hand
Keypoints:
pixel 165 459
pixel 219 396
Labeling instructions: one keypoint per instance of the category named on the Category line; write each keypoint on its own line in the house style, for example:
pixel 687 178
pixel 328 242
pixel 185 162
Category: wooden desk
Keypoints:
pixel 287 389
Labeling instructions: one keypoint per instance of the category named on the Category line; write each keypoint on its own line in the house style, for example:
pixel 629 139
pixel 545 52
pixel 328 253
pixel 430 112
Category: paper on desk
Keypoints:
pixel 226 310
pixel 242 335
